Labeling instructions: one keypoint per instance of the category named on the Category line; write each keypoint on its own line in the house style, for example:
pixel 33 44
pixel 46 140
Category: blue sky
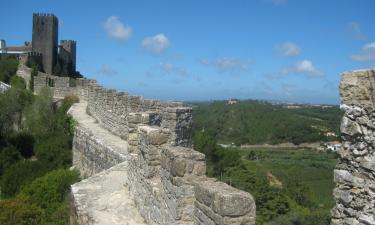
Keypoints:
pixel 291 50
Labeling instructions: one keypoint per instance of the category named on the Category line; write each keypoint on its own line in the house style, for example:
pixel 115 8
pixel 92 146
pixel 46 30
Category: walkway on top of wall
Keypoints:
pixel 24 72
pixel 78 111
pixel 103 198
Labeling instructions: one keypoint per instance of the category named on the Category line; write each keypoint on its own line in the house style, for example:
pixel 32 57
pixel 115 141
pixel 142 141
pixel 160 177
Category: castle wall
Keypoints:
pixel 60 86
pixel 70 47
pixel 64 60
pixel 90 155
pixel 63 86
pixel 151 140
pixel 355 172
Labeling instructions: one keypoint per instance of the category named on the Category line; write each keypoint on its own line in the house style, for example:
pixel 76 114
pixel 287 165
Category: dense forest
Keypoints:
pixel 259 122
pixel 35 154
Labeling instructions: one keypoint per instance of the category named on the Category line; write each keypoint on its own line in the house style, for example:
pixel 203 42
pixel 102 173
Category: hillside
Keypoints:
pixel 259 122
pixel 290 186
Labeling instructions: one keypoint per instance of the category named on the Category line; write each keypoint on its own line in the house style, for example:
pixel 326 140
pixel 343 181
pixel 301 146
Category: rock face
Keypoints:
pixel 355 172
pixel 3 87
pixel 138 161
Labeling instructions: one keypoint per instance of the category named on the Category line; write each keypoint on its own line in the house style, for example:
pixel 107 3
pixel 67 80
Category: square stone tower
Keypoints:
pixel 45 39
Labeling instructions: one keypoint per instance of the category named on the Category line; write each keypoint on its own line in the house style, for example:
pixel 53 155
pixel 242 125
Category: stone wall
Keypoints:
pixel 62 86
pixel 152 140
pixel 164 175
pixel 90 156
pixel 355 172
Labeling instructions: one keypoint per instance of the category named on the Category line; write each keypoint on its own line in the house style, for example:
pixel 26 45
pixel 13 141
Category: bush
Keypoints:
pixel 8 156
pixel 49 191
pixel 67 102
pixel 20 211
pixel 54 151
pixel 19 174
pixel 18 82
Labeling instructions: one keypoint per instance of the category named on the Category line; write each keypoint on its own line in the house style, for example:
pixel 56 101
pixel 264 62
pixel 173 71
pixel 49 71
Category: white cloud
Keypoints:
pixel 166 66
pixel 288 49
pixel 367 53
pixel 106 70
pixel 306 66
pixel 116 29
pixel 156 44
pixel 171 68
pixel 356 31
pixel 227 64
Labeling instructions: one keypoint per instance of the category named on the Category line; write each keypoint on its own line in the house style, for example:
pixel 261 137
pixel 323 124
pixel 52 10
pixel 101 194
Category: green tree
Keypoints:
pixel 12 105
pixel 34 72
pixel 40 119
pixel 8 68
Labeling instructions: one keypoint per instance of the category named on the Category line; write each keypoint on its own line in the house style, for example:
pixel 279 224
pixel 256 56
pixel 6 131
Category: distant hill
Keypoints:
pixel 260 122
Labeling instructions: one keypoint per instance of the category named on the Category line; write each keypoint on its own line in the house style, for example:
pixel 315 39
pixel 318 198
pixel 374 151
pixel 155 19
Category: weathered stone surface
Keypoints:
pixel 224 199
pixel 354 176
pixel 367 219
pixel 350 127
pixel 356 88
pixel 155 136
pixel 104 199
pixel 94 148
pixel 3 87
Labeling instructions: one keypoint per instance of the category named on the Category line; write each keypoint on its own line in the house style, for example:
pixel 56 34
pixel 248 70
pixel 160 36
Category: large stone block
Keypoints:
pixel 180 161
pixel 224 199
pixel 356 88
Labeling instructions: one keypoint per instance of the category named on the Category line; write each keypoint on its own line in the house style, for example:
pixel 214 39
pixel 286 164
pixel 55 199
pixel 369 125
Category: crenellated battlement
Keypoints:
pixel 44 15
pixel 151 140
pixel 67 41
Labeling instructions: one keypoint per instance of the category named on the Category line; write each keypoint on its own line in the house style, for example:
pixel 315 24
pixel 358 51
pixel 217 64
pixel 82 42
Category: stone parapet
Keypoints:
pixel 219 203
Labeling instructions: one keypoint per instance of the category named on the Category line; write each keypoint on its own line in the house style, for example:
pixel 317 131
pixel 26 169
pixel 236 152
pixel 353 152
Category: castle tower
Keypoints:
pixel 70 47
pixel 45 39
